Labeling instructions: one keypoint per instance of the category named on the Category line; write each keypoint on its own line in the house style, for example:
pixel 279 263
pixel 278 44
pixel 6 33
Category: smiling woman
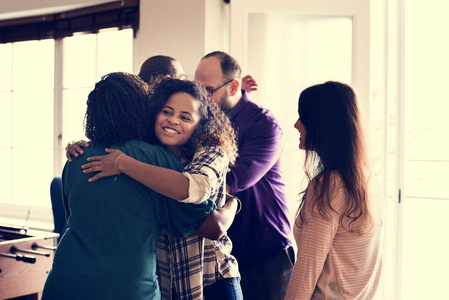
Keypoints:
pixel 177 121
pixel 302 133
pixel 117 114
pixel 195 130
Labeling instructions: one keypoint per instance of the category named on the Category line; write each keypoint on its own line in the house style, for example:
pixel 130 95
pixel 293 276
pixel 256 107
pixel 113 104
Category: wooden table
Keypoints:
pixel 26 257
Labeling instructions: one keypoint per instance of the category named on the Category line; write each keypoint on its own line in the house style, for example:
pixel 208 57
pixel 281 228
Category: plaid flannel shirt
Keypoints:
pixel 185 265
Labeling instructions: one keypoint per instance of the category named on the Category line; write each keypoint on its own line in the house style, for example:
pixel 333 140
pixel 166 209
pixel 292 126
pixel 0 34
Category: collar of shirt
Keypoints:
pixel 238 107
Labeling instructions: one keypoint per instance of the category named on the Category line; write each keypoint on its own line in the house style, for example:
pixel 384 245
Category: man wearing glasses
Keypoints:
pixel 261 231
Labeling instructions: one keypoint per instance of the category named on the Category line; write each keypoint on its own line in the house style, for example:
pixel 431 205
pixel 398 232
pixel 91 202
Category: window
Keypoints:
pixel 425 162
pixel 26 98
pixel 85 59
pixel 42 109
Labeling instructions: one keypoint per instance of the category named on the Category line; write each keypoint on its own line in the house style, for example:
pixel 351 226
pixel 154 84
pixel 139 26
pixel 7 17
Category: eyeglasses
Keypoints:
pixel 210 91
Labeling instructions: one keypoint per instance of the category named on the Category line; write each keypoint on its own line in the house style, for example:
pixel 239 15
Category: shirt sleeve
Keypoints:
pixel 204 173
pixel 199 188
pixel 179 219
pixel 65 197
pixel 257 155
pixel 314 239
pixel 184 218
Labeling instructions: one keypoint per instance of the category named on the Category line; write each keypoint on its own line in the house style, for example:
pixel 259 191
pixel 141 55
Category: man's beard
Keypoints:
pixel 225 104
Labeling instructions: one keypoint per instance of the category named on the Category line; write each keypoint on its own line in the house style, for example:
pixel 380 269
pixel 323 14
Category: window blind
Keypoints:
pixel 120 14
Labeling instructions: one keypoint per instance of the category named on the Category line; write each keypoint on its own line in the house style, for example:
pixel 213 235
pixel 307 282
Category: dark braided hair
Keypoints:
pixel 117 110
pixel 214 127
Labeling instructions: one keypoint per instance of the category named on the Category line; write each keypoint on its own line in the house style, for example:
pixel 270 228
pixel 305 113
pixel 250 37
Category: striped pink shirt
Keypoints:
pixel 333 263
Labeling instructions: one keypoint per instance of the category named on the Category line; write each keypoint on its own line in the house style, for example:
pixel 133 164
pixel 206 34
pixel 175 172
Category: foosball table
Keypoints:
pixel 26 257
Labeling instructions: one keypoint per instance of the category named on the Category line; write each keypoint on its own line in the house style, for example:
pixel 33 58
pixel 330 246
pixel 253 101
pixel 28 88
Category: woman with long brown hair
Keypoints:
pixel 338 229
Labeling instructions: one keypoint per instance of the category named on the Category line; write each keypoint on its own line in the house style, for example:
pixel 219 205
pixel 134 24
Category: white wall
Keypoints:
pixel 185 30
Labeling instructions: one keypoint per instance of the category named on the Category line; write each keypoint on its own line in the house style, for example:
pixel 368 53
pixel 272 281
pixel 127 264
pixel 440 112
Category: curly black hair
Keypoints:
pixel 214 127
pixel 117 110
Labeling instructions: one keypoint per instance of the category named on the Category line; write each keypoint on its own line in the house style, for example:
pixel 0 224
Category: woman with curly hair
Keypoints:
pixel 108 249
pixel 339 227
pixel 195 130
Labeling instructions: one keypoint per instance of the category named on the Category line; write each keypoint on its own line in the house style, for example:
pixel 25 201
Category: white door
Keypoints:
pixel 288 45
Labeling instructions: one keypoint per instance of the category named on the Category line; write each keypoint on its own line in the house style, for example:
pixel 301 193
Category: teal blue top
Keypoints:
pixel 108 250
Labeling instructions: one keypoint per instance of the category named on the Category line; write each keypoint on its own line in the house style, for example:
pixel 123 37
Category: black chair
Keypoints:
pixel 58 206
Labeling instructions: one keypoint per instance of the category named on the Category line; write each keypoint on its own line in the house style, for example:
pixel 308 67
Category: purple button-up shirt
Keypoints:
pixel 262 228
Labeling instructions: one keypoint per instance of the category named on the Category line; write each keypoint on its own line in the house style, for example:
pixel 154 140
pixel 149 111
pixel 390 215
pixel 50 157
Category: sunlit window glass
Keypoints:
pixel 26 119
pixel 426 159
pixel 5 122
pixel 27 107
pixel 5 147
pixel 86 59
pixel 33 65
pixel 116 51
pixel 79 61
pixel 6 67
pixel 74 108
